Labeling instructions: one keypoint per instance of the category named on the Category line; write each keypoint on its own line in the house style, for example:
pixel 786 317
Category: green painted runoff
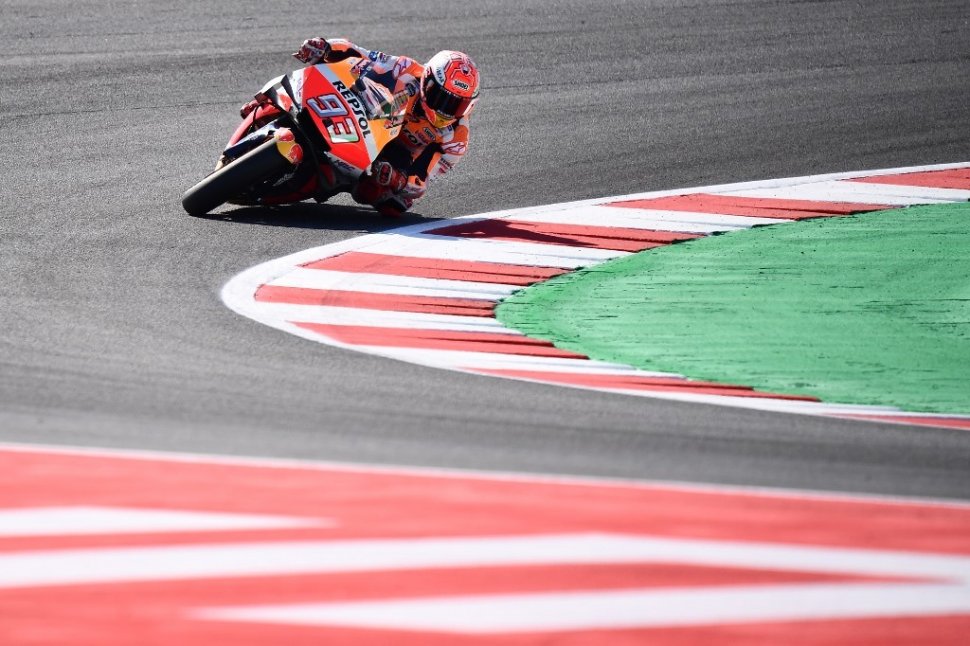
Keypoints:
pixel 867 309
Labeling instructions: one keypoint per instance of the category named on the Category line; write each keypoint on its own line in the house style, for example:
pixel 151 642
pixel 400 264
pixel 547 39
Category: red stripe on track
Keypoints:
pixel 374 504
pixel 127 623
pixel 955 178
pixel 572 235
pixel 751 206
pixel 943 422
pixel 480 272
pixel 368 301
pixel 440 340
pixel 630 382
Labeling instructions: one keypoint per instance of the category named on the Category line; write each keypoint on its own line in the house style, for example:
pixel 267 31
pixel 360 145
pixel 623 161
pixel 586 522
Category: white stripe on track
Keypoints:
pixel 179 562
pixel 471 361
pixel 915 192
pixel 389 284
pixel 474 250
pixel 578 367
pixel 650 219
pixel 618 609
pixel 842 191
pixel 354 316
pixel 800 407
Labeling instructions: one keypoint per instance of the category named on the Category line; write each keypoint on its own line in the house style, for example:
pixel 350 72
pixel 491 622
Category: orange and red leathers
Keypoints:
pixel 386 175
pixel 422 151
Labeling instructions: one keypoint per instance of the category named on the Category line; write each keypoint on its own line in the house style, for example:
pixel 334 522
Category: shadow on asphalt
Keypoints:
pixel 338 217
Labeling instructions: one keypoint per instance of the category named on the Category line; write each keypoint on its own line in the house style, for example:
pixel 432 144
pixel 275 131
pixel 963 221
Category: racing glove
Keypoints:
pixel 386 175
pixel 312 51
pixel 415 188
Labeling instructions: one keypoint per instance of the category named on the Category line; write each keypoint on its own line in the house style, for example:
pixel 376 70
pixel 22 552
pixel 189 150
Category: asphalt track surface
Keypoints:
pixel 111 328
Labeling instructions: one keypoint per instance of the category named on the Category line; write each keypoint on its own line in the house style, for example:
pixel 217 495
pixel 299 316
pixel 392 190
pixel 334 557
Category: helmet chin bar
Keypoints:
pixel 437 119
pixel 442 101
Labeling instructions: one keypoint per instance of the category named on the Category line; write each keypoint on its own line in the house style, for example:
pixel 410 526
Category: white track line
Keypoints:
pixel 842 191
pixel 472 249
pixel 454 359
pixel 379 318
pixel 650 219
pixel 619 609
pixel 385 284
pixel 120 564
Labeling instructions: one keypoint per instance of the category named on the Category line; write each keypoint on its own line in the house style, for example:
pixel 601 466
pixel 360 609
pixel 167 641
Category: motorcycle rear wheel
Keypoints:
pixel 258 165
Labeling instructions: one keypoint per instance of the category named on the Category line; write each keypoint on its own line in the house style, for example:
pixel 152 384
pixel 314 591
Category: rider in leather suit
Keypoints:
pixel 434 135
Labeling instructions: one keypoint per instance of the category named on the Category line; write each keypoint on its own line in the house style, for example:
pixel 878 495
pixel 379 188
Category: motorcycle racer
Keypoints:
pixel 434 137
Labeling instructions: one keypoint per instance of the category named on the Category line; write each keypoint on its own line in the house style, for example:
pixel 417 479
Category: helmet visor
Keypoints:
pixel 444 102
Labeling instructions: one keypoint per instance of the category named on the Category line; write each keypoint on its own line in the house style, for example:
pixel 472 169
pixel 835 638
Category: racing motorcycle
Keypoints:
pixel 312 134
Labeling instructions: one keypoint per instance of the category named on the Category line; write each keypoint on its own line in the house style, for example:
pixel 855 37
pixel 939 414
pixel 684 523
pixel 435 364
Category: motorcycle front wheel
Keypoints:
pixel 258 165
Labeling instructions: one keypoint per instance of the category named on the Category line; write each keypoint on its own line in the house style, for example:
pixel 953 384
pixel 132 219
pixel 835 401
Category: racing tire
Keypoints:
pixel 258 165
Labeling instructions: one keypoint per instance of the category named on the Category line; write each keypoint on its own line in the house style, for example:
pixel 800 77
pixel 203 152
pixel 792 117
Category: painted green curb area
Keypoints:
pixel 868 309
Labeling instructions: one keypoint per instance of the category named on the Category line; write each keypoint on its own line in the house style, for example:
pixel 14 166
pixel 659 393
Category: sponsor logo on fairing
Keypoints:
pixel 342 166
pixel 355 105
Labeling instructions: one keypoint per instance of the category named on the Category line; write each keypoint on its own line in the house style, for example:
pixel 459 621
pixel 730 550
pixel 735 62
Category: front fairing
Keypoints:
pixel 355 115
pixel 345 115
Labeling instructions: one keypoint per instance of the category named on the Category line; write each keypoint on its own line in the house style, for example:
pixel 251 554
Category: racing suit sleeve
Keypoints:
pixel 341 48
pixel 397 73
pixel 437 160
